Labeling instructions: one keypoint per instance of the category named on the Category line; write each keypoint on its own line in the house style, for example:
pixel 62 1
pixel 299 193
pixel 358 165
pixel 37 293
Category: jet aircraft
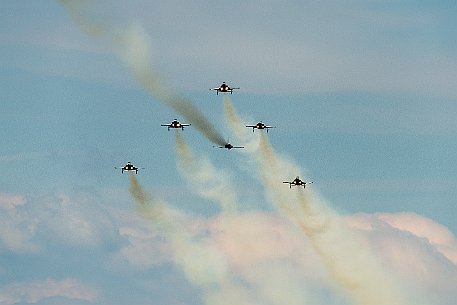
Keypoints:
pixel 175 124
pixel 260 125
pixel 224 88
pixel 297 182
pixel 129 167
pixel 229 146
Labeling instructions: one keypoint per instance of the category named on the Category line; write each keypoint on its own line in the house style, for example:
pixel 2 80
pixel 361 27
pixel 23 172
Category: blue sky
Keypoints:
pixel 363 97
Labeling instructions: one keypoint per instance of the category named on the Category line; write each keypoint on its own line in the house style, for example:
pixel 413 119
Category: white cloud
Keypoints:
pixel 261 249
pixel 76 221
pixel 419 250
pixel 412 249
pixel 144 249
pixel 73 221
pixel 34 292
pixel 420 227
pixel 437 235
pixel 15 227
pixel 8 201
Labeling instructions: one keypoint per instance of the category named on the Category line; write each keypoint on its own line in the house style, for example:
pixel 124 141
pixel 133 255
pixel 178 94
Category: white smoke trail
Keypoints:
pixel 132 45
pixel 233 119
pixel 248 138
pixel 210 183
pixel 274 281
pixel 203 264
pixel 269 280
pixel 352 266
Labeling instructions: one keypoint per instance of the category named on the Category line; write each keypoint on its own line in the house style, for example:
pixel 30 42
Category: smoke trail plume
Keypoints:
pixel 204 261
pixel 200 173
pixel 202 264
pixel 132 45
pixel 233 119
pixel 352 266
pixel 237 125
pixel 274 281
pixel 143 201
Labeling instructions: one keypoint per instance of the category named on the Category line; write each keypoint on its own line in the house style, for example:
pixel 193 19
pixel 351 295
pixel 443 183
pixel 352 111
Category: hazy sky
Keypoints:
pixel 363 95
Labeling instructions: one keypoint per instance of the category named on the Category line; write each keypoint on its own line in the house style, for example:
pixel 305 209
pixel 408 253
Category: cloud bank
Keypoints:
pixel 249 256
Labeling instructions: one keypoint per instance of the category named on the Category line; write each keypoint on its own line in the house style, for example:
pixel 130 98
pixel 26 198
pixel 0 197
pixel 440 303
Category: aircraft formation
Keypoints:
pixel 175 124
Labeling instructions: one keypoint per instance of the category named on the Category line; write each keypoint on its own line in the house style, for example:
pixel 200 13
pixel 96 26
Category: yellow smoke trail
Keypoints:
pixel 352 266
pixel 205 179
pixel 146 206
pixel 132 45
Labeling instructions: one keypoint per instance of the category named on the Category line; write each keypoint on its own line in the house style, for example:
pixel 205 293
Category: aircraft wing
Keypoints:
pixel 166 125
pixel 251 126
pixel 185 125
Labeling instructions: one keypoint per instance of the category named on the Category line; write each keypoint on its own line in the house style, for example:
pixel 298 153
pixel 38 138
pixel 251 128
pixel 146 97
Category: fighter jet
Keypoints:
pixel 175 124
pixel 229 146
pixel 297 182
pixel 260 125
pixel 224 88
pixel 129 167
